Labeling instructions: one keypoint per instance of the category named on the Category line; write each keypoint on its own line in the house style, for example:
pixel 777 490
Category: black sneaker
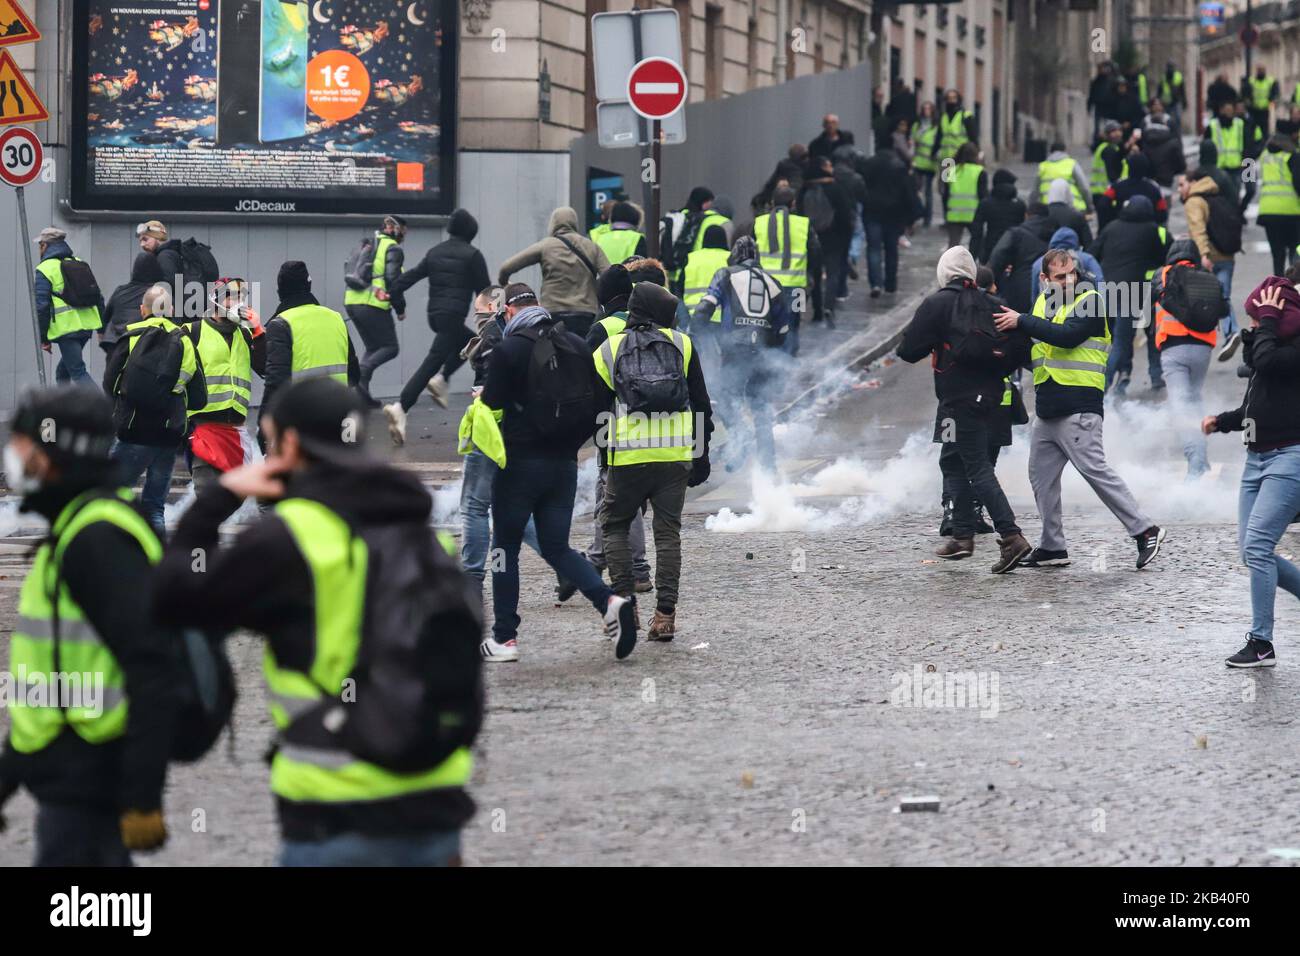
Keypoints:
pixel 1229 348
pixel 982 525
pixel 1042 558
pixel 1254 654
pixel 875 292
pixel 1148 543
pixel 945 524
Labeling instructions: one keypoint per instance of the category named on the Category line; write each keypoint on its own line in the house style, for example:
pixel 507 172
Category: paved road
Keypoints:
pixel 1081 715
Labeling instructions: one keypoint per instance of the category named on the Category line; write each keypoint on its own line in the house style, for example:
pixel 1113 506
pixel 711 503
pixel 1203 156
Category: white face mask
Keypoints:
pixel 16 476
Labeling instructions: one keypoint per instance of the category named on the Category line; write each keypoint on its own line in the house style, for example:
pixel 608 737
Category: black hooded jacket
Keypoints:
pixel 101 565
pixel 1012 260
pixel 1272 401
pixel 262 583
pixel 1131 245
pixel 1164 151
pixel 997 212
pixel 124 304
pixel 455 269
pixel 890 197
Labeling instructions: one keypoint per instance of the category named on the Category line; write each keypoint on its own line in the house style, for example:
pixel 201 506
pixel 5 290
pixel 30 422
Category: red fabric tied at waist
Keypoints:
pixel 219 445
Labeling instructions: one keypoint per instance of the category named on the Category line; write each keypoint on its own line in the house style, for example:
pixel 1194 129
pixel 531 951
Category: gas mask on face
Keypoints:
pixel 16 476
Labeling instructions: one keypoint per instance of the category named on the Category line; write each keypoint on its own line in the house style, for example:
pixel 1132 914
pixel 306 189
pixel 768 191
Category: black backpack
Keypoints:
pixel 198 263
pixel 152 369
pixel 80 288
pixel 358 271
pixel 1224 224
pixel 560 399
pixel 418 685
pixel 649 373
pixel 1194 297
pixel 973 339
pixel 207 695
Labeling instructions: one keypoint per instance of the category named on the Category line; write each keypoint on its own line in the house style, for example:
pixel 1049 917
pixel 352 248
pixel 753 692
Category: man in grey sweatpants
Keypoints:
pixel 1069 361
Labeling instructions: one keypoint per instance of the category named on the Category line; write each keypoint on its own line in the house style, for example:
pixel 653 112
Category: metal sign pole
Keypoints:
pixel 24 239
pixel 649 184
pixel 652 238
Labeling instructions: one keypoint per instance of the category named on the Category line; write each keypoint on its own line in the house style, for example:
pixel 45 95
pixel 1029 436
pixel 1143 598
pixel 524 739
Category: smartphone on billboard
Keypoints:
pixel 283 70
pixel 239 45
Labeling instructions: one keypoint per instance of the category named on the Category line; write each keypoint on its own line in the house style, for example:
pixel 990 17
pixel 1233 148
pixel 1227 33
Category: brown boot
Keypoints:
pixel 663 627
pixel 1013 550
pixel 954 549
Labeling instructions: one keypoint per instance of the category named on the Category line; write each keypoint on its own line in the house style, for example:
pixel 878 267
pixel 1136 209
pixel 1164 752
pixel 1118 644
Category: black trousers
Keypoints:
pixel 968 473
pixel 449 337
pixel 1283 234
pixel 379 336
pixel 75 835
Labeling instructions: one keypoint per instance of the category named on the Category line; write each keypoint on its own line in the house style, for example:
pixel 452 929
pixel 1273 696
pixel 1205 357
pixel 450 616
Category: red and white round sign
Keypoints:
pixel 656 87
pixel 21 156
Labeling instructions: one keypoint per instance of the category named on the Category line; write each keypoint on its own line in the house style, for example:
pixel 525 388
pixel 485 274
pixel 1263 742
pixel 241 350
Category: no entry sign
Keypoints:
pixel 21 156
pixel 656 88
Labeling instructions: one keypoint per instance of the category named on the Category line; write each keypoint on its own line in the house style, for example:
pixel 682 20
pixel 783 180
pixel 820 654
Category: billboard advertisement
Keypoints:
pixel 272 107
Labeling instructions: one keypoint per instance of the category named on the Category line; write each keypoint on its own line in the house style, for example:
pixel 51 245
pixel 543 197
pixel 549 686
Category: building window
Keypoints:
pixel 962 25
pixel 941 17
pixel 753 53
pixel 683 8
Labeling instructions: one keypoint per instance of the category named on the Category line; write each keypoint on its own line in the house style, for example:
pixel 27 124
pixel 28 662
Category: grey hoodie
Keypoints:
pixel 567 284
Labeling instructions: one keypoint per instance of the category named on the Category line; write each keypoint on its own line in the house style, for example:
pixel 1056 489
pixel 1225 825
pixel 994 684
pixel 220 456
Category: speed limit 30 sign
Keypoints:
pixel 21 156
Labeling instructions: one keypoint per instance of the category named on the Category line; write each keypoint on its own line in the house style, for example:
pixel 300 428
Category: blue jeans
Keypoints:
pixel 1223 272
pixel 1268 501
pixel 71 367
pixel 1120 358
pixel 434 848
pixel 475 507
pixel 925 184
pixel 882 237
pixel 155 462
pixel 859 239
pixel 542 489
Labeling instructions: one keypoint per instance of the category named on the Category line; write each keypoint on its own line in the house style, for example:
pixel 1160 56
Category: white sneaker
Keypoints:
pixel 495 653
pixel 620 625
pixel 437 388
pixel 396 416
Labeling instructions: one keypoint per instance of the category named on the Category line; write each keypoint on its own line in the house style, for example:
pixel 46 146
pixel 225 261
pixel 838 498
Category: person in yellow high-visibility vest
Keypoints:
pixel 1260 92
pixel 92 701
pixel 304 339
pixel 1279 204
pixel 303 576
pixel 63 323
pixel 655 435
pixel 962 185
pixel 925 137
pixel 371 309
pixel 622 238
pixel 956 127
pixel 1227 132
pixel 1072 333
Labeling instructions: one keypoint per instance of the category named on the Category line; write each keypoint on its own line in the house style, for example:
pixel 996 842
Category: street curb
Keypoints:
pixel 859 352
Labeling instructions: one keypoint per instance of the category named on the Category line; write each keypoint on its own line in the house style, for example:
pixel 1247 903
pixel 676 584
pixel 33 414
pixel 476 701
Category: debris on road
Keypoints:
pixel 918 805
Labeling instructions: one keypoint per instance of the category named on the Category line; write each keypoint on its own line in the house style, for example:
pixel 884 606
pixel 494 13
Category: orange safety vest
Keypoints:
pixel 1167 325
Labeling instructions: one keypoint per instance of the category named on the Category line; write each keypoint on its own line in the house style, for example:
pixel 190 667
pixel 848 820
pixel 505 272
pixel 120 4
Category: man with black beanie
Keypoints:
pixel 656 441
pixel 94 755
pixel 456 272
pixel 304 339
pixel 344 542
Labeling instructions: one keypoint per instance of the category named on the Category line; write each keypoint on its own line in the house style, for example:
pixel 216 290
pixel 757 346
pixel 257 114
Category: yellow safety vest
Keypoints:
pixel 923 137
pixel 952 133
pixel 338 560
pixel 636 438
pixel 320 342
pixel 596 232
pixel 782 240
pixel 1049 170
pixel 618 244
pixel 377 280
pixel 613 324
pixel 700 268
pixel 1259 92
pixel 1277 195
pixel 963 192
pixel 66 318
pixel 1229 143
pixel 81 658
pixel 1164 237
pixel 1167 88
pixel 1099 182
pixel 227 369
pixel 1082 366
pixel 480 429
